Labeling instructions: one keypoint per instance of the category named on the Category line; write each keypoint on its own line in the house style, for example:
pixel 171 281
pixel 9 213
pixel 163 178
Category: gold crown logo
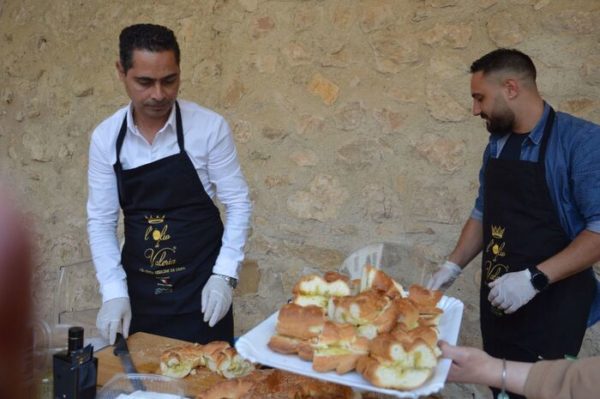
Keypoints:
pixel 497 231
pixel 155 219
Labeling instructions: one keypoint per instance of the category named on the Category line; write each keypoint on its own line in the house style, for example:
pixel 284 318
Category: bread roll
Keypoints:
pixel 389 376
pixel 310 300
pixel 422 297
pixel 407 313
pixel 303 322
pixel 339 359
pixel 359 309
pixel 332 284
pixel 218 356
pixel 283 344
pixel 426 333
pixel 338 348
pixel 289 345
pixel 387 350
pixel 179 361
pixel 373 278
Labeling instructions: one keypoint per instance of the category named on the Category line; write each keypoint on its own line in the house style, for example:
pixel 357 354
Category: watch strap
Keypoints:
pixel 539 279
pixel 232 281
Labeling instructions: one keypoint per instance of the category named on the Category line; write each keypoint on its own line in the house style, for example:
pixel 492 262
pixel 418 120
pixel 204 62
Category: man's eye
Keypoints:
pixel 145 82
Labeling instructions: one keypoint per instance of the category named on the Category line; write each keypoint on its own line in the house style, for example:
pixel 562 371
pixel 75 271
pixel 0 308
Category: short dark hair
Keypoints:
pixel 149 37
pixel 505 59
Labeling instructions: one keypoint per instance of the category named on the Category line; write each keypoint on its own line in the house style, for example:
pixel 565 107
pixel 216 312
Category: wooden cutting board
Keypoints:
pixel 145 350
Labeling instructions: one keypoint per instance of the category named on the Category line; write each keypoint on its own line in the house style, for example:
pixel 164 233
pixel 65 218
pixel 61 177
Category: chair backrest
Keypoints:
pixel 405 261
pixel 353 264
pixel 77 300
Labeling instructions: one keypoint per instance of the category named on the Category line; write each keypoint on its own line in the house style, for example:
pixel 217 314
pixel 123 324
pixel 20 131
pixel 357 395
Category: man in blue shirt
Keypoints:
pixel 536 218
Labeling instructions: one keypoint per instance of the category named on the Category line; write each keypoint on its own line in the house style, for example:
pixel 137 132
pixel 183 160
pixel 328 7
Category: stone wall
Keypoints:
pixel 352 119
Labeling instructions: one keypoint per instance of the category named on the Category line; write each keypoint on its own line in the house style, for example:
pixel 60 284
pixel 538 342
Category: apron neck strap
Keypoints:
pixel 123 131
pixel 546 136
pixel 120 140
pixel 179 128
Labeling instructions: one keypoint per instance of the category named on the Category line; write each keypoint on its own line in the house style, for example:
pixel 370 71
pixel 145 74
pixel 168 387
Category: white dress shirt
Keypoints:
pixel 210 146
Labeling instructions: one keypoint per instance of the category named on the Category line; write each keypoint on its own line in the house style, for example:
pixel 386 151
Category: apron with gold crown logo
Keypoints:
pixel 173 235
pixel 521 229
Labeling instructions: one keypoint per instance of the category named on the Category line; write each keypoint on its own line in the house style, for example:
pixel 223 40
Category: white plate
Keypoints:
pixel 253 346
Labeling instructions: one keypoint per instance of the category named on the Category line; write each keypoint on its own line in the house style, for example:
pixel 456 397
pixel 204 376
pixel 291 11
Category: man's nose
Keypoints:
pixel 158 92
pixel 476 110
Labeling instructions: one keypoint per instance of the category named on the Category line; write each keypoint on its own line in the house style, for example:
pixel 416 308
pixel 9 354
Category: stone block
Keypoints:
pixel 249 278
pixel 504 30
pixel 322 200
pixel 324 88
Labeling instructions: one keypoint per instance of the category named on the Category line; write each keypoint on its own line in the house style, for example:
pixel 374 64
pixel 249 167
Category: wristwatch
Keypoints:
pixel 230 280
pixel 538 279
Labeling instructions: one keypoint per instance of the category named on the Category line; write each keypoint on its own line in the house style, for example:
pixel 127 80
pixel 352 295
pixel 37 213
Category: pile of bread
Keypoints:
pixel 243 380
pixel 276 384
pixel 372 325
pixel 217 356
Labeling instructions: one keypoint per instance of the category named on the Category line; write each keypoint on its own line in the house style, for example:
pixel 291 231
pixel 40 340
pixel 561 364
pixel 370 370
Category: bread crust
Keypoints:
pixel 276 384
pixel 303 322
pixel 422 297
pixel 338 348
pixel 391 377
pixel 217 356
pixel 373 278
pixel 179 361
pixel 331 284
pixel 358 309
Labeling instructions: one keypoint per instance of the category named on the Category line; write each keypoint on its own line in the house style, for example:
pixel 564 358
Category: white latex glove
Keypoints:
pixel 511 291
pixel 217 295
pixel 444 276
pixel 114 316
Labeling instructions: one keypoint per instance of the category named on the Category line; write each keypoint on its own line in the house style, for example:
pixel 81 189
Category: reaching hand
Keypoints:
pixel 217 296
pixel 511 291
pixel 469 365
pixel 114 316
pixel 444 276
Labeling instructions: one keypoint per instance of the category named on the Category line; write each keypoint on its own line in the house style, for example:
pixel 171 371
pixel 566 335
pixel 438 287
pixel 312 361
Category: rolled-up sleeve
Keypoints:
pixel 225 173
pixel 585 177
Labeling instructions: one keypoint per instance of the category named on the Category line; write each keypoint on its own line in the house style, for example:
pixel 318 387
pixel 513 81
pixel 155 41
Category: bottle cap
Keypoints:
pixel 75 338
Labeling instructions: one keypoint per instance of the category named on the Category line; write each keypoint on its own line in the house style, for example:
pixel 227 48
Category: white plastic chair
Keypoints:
pixel 354 263
pixel 78 301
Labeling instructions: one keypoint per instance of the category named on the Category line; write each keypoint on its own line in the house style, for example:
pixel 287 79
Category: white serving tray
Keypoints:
pixel 253 346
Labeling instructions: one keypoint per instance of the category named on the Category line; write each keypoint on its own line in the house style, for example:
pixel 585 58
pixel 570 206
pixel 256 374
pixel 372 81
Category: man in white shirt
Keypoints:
pixel 162 161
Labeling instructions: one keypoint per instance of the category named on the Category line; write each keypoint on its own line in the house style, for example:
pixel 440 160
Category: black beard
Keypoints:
pixel 499 125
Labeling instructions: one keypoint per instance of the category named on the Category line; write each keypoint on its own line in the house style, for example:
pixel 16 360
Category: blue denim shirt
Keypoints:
pixel 572 169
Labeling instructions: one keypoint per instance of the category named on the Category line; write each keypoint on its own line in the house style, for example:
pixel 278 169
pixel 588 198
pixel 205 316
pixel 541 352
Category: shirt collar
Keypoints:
pixel 497 142
pixel 170 123
pixel 538 131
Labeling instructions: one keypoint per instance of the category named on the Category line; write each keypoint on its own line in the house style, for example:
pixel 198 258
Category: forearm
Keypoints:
pixel 106 257
pixel 469 243
pixel 103 217
pixel 474 366
pixel 516 375
pixel 234 194
pixel 580 254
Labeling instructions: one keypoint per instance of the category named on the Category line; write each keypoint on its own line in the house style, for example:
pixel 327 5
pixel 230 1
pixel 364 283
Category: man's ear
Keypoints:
pixel 120 69
pixel 512 88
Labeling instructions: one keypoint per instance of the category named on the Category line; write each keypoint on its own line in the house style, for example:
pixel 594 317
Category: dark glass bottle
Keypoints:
pixel 75 370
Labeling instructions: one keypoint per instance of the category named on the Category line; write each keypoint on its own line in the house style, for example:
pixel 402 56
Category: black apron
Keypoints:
pixel 521 229
pixel 173 235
